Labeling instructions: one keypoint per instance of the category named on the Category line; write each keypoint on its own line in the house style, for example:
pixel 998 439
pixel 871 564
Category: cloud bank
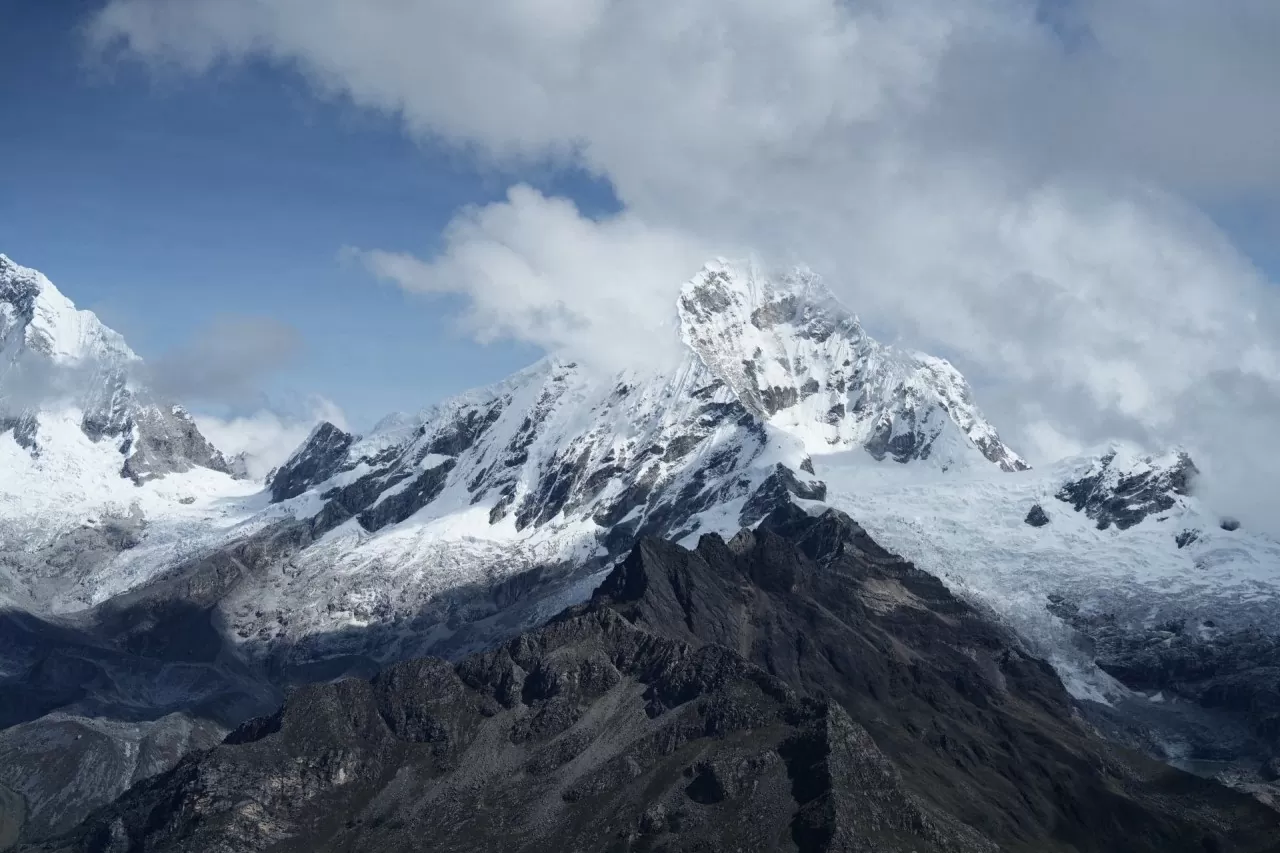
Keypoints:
pixel 1016 185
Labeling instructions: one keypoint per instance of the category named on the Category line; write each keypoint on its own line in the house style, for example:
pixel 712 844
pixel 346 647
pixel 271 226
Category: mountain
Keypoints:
pixel 92 464
pixel 50 349
pixel 561 466
pixel 800 361
pixel 450 531
pixel 542 479
pixel 794 688
pixel 89 455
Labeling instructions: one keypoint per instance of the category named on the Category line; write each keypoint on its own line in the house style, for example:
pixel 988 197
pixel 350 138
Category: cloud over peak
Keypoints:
pixel 535 269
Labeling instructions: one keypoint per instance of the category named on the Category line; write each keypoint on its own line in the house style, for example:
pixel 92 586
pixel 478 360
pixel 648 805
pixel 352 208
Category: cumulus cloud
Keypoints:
pixel 1016 184
pixel 536 270
pixel 266 437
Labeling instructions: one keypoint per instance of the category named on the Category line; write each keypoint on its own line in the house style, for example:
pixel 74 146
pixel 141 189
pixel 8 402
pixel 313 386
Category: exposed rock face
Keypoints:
pixel 164 440
pixel 25 425
pixel 1036 516
pixel 777 491
pixel 321 456
pixel 795 688
pixel 1124 491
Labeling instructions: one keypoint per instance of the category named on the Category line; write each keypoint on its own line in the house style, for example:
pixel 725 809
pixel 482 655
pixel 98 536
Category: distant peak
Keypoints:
pixel 45 322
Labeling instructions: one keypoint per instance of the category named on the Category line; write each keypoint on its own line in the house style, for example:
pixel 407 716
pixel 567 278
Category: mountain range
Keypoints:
pixel 154 600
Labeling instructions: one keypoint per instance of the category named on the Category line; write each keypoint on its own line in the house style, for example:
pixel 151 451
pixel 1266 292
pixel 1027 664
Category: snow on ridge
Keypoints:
pixel 80 441
pixel 51 323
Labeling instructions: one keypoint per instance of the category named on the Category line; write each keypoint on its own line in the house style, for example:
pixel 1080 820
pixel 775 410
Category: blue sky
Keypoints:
pixel 163 201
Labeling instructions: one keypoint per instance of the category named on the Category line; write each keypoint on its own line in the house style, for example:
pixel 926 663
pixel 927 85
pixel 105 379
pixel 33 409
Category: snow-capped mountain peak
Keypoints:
pixel 560 465
pixel 62 364
pixel 79 433
pixel 801 361
pixel 36 317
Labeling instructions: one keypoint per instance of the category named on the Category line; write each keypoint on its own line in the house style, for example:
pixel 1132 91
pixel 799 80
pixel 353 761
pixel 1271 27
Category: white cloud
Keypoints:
pixel 1178 89
pixel 266 438
pixel 1013 183
pixel 536 270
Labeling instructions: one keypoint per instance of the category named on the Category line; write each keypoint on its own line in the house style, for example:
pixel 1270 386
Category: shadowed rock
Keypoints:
pixel 795 688
pixel 319 458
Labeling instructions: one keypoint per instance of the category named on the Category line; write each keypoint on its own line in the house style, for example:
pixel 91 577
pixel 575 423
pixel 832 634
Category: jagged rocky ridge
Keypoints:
pixel 1127 495
pixel 442 532
pixel 794 688
pixel 556 468
pixel 797 358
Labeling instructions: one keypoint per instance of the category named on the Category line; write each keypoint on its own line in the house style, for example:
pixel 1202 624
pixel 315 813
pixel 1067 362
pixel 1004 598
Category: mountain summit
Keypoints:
pixel 89 455
pixel 59 363
pixel 799 360
pixel 35 317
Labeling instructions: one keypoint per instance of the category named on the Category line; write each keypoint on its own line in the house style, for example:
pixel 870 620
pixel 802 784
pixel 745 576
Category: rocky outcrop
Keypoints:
pixel 1125 491
pixel 776 491
pixel 1036 516
pixel 794 688
pixel 322 455
pixel 24 425
pixel 165 440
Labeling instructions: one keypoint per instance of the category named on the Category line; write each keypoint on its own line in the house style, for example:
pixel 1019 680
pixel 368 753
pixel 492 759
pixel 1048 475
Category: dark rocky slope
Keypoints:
pixel 795 688
pixel 1228 682
pixel 84 714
